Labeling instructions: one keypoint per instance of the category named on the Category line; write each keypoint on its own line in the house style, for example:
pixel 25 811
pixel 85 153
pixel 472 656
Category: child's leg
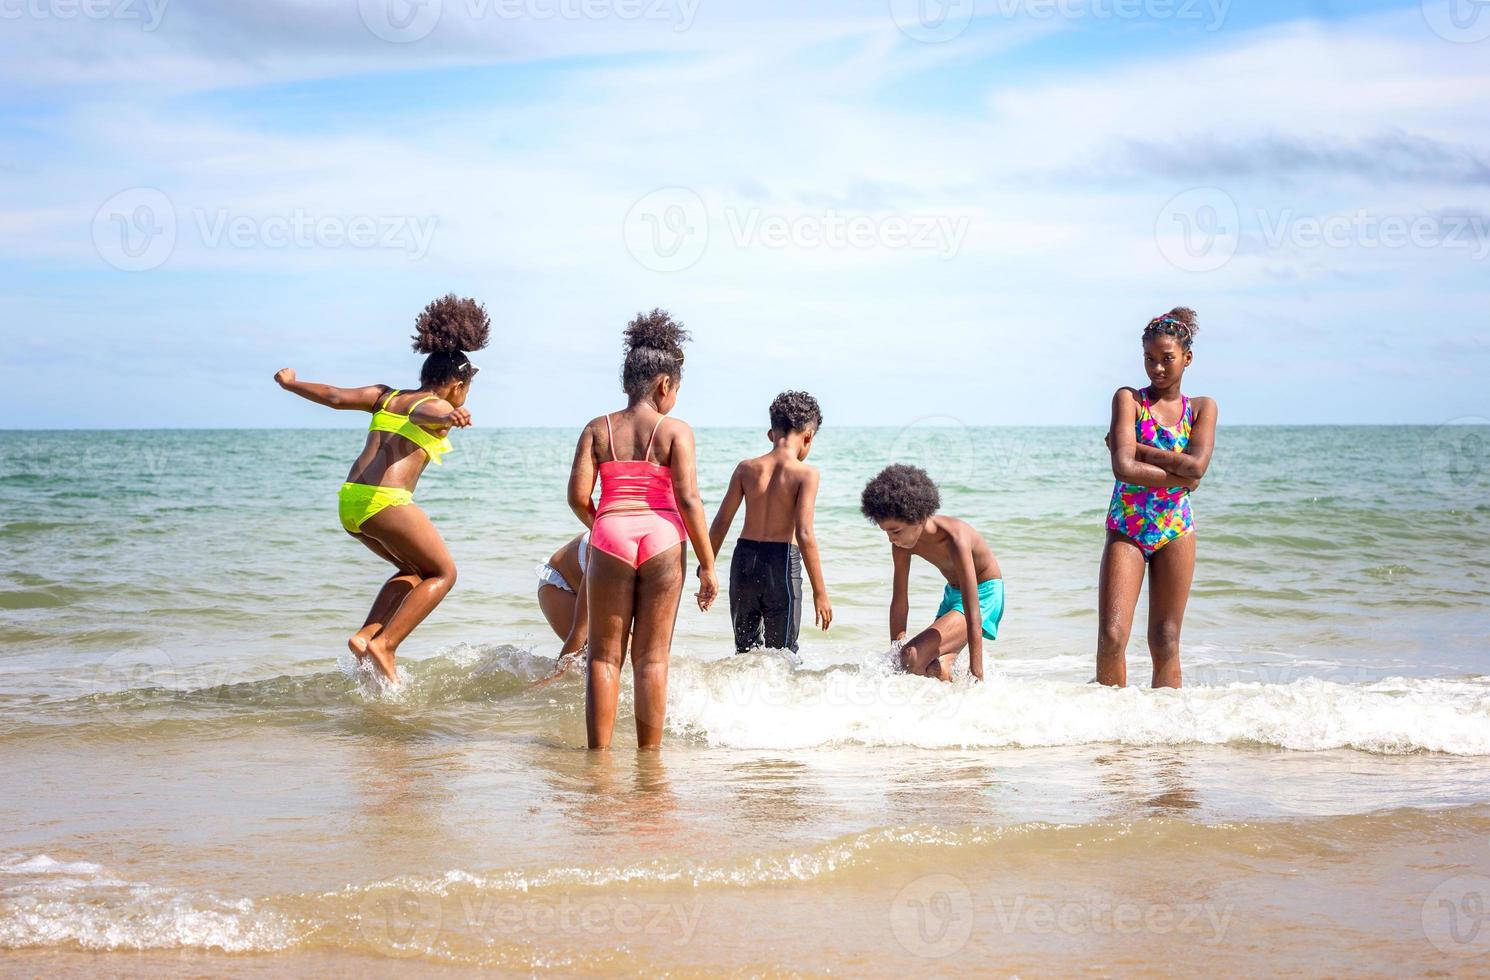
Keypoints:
pixel 1172 570
pixel 659 587
pixel 558 608
pixel 934 650
pixel 744 599
pixel 389 597
pixel 1119 581
pixel 406 531
pixel 783 602
pixel 611 585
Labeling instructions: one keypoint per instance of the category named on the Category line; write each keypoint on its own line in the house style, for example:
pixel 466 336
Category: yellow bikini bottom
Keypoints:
pixel 358 502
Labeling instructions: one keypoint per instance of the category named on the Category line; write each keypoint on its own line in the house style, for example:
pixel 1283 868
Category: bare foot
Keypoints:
pixel 358 643
pixel 383 657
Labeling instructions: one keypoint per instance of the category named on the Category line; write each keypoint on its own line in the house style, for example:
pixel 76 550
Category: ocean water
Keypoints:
pixel 197 779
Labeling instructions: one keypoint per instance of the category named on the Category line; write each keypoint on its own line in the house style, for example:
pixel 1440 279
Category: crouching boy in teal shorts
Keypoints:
pixel 903 501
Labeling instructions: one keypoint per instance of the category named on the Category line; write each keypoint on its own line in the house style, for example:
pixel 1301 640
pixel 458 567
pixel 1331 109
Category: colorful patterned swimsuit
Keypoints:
pixel 1154 516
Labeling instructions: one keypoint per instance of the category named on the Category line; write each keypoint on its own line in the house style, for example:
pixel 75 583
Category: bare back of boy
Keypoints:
pixel 771 485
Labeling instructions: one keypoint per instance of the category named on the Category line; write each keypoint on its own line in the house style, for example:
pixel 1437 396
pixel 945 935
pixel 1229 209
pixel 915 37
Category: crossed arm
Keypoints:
pixel 1146 466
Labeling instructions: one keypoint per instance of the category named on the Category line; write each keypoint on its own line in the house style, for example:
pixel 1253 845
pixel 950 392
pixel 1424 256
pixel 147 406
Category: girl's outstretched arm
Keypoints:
pixel 1126 465
pixel 582 478
pixel 346 399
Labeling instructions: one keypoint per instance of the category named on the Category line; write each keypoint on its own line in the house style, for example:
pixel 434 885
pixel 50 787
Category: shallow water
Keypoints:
pixel 194 769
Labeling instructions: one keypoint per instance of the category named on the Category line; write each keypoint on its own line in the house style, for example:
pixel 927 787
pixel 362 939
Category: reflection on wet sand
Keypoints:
pixel 1145 782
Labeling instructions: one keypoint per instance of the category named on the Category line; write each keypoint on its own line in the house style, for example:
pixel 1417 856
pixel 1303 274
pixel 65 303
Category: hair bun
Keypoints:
pixel 656 331
pixel 451 325
pixel 1180 323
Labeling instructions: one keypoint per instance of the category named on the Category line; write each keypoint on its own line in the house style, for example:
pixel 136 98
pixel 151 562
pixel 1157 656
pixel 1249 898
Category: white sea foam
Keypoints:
pixel 758 702
pixel 76 902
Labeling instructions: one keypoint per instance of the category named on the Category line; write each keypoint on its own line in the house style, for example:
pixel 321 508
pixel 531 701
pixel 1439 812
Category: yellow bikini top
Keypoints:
pixel 385 421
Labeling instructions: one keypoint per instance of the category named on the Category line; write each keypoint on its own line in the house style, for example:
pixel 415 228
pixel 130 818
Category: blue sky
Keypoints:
pixel 912 208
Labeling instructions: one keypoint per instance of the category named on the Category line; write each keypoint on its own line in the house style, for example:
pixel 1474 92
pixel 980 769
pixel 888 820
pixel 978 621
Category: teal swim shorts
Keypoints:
pixel 990 604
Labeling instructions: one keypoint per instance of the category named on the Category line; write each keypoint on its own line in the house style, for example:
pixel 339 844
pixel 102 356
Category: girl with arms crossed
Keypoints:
pixel 1161 443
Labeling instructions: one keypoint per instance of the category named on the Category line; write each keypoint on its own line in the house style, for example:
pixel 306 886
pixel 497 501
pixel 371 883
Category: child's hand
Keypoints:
pixel 708 589
pixel 284 377
pixel 459 418
pixel 822 610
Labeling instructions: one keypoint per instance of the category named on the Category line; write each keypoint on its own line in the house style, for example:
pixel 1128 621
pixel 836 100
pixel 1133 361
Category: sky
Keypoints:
pixel 915 209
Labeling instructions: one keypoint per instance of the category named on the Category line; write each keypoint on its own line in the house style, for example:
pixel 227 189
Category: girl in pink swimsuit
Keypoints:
pixel 1161 443
pixel 649 504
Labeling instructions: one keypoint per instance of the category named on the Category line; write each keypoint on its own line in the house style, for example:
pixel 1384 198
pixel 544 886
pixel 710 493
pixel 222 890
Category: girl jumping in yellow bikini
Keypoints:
pixel 408 431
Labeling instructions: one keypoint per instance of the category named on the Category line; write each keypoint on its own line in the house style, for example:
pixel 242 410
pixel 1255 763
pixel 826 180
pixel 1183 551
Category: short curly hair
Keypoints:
pixel 445 330
pixel 901 493
pixel 796 411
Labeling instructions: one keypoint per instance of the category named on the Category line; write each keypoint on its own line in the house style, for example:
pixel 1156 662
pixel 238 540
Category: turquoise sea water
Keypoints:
pixel 194 766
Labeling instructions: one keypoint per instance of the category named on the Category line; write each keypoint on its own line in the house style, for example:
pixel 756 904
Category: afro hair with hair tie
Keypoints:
pixel 654 346
pixel 445 330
